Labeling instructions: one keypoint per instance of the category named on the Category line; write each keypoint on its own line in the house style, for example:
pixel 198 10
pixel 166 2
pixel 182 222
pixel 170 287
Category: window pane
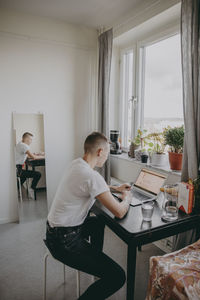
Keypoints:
pixel 163 104
pixel 127 96
pixel 130 94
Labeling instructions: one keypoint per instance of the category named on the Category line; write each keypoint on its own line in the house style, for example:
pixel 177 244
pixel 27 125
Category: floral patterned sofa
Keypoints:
pixel 175 276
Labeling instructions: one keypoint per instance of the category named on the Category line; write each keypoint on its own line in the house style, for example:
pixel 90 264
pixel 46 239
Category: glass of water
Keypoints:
pixel 170 202
pixel 147 210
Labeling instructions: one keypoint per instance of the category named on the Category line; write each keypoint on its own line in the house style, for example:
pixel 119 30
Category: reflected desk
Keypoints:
pixel 134 232
pixel 35 163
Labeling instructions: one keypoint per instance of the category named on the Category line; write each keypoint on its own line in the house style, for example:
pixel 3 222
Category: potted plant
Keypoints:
pixel 141 140
pixel 174 138
pixel 157 149
pixel 134 145
pixel 137 145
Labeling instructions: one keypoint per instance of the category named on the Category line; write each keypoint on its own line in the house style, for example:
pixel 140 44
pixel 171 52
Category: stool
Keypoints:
pixel 45 276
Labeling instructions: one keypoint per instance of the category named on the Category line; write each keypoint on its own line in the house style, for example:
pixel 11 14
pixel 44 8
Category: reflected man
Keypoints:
pixel 22 151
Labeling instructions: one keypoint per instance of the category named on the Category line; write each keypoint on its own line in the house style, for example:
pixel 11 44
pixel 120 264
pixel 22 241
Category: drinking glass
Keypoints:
pixel 147 210
pixel 170 202
pixel 145 225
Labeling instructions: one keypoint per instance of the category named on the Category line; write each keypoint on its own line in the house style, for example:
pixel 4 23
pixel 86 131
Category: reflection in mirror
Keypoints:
pixel 30 161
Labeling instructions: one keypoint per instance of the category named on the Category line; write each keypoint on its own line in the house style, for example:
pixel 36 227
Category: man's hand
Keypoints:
pixel 124 187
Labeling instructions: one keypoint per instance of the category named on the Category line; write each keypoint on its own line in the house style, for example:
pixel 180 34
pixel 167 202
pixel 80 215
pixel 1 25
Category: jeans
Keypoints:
pixel 23 174
pixel 70 246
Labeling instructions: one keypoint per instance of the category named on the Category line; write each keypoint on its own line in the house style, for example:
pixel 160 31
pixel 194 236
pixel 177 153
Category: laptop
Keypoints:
pixel 146 187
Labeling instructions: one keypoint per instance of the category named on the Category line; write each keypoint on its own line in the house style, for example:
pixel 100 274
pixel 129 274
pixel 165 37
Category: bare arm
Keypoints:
pixel 119 209
pixel 33 156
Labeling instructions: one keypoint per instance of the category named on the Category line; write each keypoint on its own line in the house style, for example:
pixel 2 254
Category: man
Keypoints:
pixel 69 224
pixel 22 151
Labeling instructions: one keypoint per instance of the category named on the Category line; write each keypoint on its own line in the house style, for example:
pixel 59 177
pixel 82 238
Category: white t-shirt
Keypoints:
pixel 20 153
pixel 76 194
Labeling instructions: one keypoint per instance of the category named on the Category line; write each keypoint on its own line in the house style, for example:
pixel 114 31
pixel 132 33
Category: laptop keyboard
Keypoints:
pixel 139 196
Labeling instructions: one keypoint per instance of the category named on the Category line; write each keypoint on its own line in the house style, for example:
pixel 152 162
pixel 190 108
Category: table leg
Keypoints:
pixel 131 266
pixel 35 197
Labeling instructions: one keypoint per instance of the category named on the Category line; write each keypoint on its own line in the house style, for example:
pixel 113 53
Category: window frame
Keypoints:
pixel 124 105
pixel 138 49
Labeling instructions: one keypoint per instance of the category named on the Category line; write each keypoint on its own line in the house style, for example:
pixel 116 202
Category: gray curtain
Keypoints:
pixel 190 43
pixel 105 55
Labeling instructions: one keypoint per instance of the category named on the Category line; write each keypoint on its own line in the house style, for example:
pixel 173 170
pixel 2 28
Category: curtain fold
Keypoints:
pixel 105 56
pixel 190 41
pixel 190 46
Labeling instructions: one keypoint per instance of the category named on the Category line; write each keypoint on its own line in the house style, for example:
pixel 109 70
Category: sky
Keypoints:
pixel 163 79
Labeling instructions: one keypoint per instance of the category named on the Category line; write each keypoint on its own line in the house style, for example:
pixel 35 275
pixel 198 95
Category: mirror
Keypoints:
pixel 30 163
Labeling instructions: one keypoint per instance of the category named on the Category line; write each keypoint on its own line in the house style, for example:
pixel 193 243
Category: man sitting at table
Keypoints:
pixel 69 224
pixel 22 151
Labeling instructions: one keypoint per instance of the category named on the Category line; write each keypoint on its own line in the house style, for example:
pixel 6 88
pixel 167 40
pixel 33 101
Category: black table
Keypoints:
pixel 35 163
pixel 135 233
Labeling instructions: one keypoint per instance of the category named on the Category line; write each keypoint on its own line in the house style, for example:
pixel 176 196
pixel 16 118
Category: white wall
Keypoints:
pixel 49 67
pixel 142 12
pixel 127 170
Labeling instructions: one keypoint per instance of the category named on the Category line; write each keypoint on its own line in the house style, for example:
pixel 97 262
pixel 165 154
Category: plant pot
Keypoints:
pixel 159 160
pixel 144 158
pixel 138 154
pixel 132 149
pixel 175 161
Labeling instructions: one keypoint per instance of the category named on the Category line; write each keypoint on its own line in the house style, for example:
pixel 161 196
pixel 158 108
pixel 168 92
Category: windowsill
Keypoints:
pixel 125 156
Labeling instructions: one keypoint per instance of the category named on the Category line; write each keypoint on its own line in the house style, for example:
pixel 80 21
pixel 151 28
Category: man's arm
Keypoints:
pixel 33 156
pixel 119 209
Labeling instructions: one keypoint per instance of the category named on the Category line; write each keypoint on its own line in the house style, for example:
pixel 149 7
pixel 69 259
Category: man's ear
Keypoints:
pixel 99 151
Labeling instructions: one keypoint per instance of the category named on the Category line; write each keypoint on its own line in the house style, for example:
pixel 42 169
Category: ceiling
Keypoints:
pixel 92 13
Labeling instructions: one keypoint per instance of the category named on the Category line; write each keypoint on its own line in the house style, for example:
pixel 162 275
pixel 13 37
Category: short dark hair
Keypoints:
pixel 94 140
pixel 26 134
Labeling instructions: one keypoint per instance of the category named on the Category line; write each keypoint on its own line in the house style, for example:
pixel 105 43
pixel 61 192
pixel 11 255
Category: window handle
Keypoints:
pixel 133 99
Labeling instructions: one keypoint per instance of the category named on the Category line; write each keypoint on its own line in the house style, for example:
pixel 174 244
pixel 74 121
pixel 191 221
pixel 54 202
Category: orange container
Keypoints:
pixel 175 160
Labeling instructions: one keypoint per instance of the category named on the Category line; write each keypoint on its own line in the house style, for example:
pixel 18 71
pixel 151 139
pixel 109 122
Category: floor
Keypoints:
pixel 21 261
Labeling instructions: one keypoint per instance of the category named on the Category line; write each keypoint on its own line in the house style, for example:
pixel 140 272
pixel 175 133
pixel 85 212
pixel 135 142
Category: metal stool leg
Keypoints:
pixel 45 277
pixel 78 292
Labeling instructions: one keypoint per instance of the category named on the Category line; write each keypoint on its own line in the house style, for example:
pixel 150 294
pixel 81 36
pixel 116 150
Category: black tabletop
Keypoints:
pixel 133 226
pixel 35 162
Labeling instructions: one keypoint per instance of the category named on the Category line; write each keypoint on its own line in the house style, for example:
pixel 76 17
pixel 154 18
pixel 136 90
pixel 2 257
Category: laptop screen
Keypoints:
pixel 150 181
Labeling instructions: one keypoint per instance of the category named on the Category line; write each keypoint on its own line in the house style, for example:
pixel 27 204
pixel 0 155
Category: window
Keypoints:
pixel 162 84
pixel 151 99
